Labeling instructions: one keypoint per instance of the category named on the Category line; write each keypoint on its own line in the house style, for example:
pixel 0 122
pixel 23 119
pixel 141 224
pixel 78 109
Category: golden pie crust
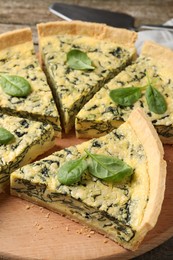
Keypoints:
pixel 98 31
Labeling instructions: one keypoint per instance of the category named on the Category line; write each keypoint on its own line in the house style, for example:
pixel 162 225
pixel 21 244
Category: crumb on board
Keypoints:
pixel 85 231
pixel 28 207
pixel 67 228
pixel 40 227
pixel 36 224
pixel 106 240
pixel 78 231
pixel 47 215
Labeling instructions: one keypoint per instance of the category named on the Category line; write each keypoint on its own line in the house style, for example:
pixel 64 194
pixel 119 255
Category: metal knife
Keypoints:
pixel 116 19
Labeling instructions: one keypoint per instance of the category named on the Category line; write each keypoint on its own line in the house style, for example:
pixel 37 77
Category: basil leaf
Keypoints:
pixel 15 86
pixel 125 96
pixel 79 60
pixel 155 100
pixel 71 171
pixel 108 168
pixel 5 136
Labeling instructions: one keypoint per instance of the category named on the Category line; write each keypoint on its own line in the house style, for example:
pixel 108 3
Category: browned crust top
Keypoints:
pixel 15 37
pixel 98 31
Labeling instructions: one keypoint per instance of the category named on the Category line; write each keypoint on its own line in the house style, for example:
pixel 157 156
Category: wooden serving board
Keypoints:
pixel 28 231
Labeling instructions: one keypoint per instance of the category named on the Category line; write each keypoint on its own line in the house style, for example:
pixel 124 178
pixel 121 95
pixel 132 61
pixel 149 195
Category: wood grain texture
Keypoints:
pixel 30 231
pixel 16 14
pixel 31 12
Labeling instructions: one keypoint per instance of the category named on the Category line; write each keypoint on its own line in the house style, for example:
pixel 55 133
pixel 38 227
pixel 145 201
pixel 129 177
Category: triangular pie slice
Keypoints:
pixel 17 57
pixel 30 139
pixel 124 211
pixel 100 115
pixel 108 48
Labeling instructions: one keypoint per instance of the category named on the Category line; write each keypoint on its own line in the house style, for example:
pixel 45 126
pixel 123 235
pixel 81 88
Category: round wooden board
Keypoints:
pixel 29 231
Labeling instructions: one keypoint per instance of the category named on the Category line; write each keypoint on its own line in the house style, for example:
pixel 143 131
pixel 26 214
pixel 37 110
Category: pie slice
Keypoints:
pixel 154 67
pixel 124 211
pixel 17 58
pixel 108 49
pixel 30 139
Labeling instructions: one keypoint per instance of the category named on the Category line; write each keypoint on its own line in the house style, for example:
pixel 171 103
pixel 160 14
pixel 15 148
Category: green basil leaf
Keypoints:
pixel 71 171
pixel 108 168
pixel 15 86
pixel 155 100
pixel 125 96
pixel 5 136
pixel 79 60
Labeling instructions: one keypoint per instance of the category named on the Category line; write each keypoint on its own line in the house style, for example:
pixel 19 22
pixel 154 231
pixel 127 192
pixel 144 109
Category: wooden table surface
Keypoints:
pixel 16 14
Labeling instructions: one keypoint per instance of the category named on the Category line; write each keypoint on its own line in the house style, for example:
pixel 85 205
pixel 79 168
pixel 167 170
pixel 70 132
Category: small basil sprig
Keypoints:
pixel 125 96
pixel 14 85
pixel 155 100
pixel 79 60
pixel 108 168
pixel 71 171
pixel 5 136
pixel 103 167
pixel 128 96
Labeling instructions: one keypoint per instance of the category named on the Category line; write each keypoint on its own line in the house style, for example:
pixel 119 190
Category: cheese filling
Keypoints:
pixel 101 115
pixel 30 140
pixel 73 88
pixel 113 208
pixel 39 105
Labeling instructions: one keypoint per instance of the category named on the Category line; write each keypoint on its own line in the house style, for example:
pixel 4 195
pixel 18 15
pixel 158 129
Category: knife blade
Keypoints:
pixel 117 19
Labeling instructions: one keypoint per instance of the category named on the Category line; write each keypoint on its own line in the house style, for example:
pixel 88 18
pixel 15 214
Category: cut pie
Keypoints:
pixel 101 114
pixel 17 58
pixel 124 211
pixel 108 49
pixel 29 139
